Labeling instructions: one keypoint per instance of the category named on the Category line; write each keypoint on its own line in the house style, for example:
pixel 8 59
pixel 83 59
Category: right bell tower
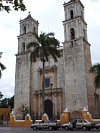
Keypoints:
pixel 78 80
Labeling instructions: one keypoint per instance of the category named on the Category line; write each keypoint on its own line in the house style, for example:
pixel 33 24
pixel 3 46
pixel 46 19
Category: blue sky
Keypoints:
pixel 50 14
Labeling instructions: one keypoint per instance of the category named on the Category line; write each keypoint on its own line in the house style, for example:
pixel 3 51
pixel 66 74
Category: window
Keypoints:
pixel 71 14
pixel 82 14
pixel 72 32
pixel 23 47
pixel 24 29
pixel 84 32
pixel 47 82
pixel 34 29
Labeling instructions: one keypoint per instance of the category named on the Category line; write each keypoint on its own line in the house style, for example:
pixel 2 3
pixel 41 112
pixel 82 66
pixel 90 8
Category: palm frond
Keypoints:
pixel 51 34
pixel 32 44
pixel 34 55
pixel 2 66
pixel 44 46
pixel 0 74
pixel 36 36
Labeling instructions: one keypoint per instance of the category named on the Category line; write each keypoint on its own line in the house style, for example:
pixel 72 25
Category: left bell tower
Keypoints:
pixel 22 76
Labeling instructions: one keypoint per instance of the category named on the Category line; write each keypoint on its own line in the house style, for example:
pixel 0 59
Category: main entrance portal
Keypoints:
pixel 49 108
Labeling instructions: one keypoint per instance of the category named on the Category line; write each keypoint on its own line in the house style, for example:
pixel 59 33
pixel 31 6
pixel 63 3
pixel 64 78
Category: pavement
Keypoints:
pixel 29 130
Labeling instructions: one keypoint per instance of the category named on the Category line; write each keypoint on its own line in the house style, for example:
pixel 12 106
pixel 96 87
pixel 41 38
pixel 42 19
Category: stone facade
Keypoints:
pixel 22 77
pixel 77 59
pixel 69 82
pixel 28 80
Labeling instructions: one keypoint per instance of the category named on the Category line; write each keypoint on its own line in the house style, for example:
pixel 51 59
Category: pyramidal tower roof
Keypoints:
pixel 29 17
pixel 72 1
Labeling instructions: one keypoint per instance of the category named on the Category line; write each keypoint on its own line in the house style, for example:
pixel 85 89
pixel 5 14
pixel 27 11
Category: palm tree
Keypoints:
pixel 2 67
pixel 44 46
pixel 96 70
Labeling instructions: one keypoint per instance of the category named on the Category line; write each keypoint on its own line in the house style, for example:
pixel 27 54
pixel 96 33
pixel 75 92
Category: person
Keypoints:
pixel 33 121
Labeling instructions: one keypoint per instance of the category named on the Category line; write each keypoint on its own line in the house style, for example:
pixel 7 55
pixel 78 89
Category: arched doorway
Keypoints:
pixel 49 108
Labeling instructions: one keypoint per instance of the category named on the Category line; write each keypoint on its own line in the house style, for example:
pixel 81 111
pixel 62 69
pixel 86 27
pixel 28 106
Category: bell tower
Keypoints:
pixel 77 58
pixel 22 77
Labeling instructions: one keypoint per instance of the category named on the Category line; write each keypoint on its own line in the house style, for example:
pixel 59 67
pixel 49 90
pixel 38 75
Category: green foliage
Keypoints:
pixel 2 67
pixel 44 46
pixel 4 103
pixel 1 95
pixel 24 110
pixel 96 69
pixel 15 4
pixel 7 102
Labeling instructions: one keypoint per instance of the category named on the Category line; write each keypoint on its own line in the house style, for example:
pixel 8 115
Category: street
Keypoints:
pixel 29 130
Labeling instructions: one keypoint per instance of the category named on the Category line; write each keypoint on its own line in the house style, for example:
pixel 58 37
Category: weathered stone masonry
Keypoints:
pixel 69 82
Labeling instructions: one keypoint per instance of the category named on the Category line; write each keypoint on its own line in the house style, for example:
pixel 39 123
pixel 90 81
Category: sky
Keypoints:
pixel 50 14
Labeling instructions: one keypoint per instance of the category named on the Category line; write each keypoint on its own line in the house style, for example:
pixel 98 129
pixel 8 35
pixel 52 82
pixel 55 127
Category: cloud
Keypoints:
pixel 7 86
pixel 94 0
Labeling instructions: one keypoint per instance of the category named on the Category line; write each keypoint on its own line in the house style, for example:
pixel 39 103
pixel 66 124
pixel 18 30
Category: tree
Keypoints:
pixel 11 102
pixel 4 103
pixel 44 46
pixel 7 102
pixel 1 95
pixel 96 70
pixel 2 67
pixel 15 4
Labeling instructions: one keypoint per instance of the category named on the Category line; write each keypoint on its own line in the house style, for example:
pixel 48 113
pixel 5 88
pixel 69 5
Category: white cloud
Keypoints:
pixel 94 0
pixel 92 13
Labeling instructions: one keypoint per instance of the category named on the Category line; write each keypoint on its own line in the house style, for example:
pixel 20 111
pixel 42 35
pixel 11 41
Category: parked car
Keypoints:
pixel 82 124
pixel 78 124
pixel 97 126
pixel 45 125
pixel 67 126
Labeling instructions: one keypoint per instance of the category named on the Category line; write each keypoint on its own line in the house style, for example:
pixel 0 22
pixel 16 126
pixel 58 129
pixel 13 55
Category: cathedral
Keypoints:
pixel 68 82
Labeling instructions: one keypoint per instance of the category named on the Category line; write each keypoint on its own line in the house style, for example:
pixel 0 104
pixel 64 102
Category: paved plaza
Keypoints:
pixel 29 130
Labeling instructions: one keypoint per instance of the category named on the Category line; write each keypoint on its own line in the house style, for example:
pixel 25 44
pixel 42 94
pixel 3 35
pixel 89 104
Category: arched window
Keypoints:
pixel 82 14
pixel 24 29
pixel 72 32
pixel 47 82
pixel 71 14
pixel 23 47
pixel 34 29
